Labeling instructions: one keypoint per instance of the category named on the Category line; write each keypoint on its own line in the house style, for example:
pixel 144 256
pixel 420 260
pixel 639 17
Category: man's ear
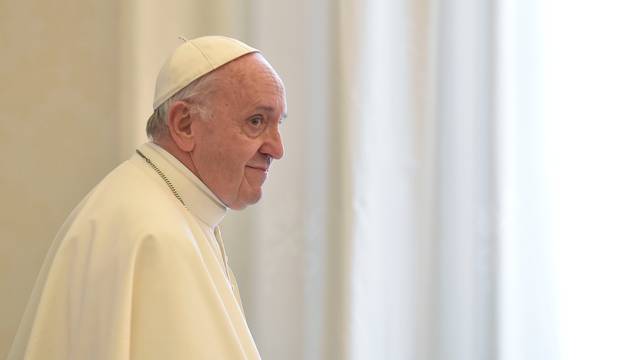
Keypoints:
pixel 179 121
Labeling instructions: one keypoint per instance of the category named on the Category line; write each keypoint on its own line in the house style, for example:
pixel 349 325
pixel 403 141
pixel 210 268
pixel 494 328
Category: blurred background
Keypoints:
pixel 461 178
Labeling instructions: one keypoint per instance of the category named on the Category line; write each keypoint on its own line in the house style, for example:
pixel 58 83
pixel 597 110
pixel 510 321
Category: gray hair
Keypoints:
pixel 157 123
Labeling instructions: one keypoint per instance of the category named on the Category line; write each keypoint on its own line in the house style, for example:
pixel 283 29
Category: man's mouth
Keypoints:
pixel 261 168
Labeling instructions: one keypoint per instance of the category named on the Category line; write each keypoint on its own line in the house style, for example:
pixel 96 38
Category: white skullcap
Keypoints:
pixel 193 59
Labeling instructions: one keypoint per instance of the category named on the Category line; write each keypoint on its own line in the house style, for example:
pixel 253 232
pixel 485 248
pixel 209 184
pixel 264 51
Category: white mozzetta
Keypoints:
pixel 135 274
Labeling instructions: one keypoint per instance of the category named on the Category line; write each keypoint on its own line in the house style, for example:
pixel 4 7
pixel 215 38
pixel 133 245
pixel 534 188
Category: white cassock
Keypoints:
pixel 135 274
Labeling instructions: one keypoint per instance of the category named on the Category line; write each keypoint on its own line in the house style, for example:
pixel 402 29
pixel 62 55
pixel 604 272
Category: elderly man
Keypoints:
pixel 139 270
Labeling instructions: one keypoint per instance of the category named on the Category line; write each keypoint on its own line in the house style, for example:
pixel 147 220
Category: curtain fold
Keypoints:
pixel 387 177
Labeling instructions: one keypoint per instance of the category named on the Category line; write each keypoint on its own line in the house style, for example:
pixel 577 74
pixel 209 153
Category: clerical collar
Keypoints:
pixel 195 195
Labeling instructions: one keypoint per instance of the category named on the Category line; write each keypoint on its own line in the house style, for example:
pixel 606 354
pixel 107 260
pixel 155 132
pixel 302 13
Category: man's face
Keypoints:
pixel 235 145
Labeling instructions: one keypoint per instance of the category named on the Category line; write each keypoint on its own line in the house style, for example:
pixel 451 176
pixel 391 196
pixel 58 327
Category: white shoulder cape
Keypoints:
pixel 131 275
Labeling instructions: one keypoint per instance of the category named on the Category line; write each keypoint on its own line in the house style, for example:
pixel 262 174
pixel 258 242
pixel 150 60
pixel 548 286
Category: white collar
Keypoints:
pixel 196 195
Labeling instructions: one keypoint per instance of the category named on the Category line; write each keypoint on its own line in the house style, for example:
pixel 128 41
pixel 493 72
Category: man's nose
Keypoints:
pixel 273 145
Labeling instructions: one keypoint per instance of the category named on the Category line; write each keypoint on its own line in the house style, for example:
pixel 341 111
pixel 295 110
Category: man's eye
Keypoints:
pixel 255 125
pixel 256 121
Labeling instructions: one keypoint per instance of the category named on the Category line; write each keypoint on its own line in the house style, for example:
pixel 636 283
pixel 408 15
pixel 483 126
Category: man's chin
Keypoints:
pixel 249 199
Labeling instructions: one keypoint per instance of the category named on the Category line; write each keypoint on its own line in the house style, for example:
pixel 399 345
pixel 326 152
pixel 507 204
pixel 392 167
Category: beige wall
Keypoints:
pixel 57 133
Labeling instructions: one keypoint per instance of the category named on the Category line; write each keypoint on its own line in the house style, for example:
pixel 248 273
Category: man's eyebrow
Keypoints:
pixel 271 110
